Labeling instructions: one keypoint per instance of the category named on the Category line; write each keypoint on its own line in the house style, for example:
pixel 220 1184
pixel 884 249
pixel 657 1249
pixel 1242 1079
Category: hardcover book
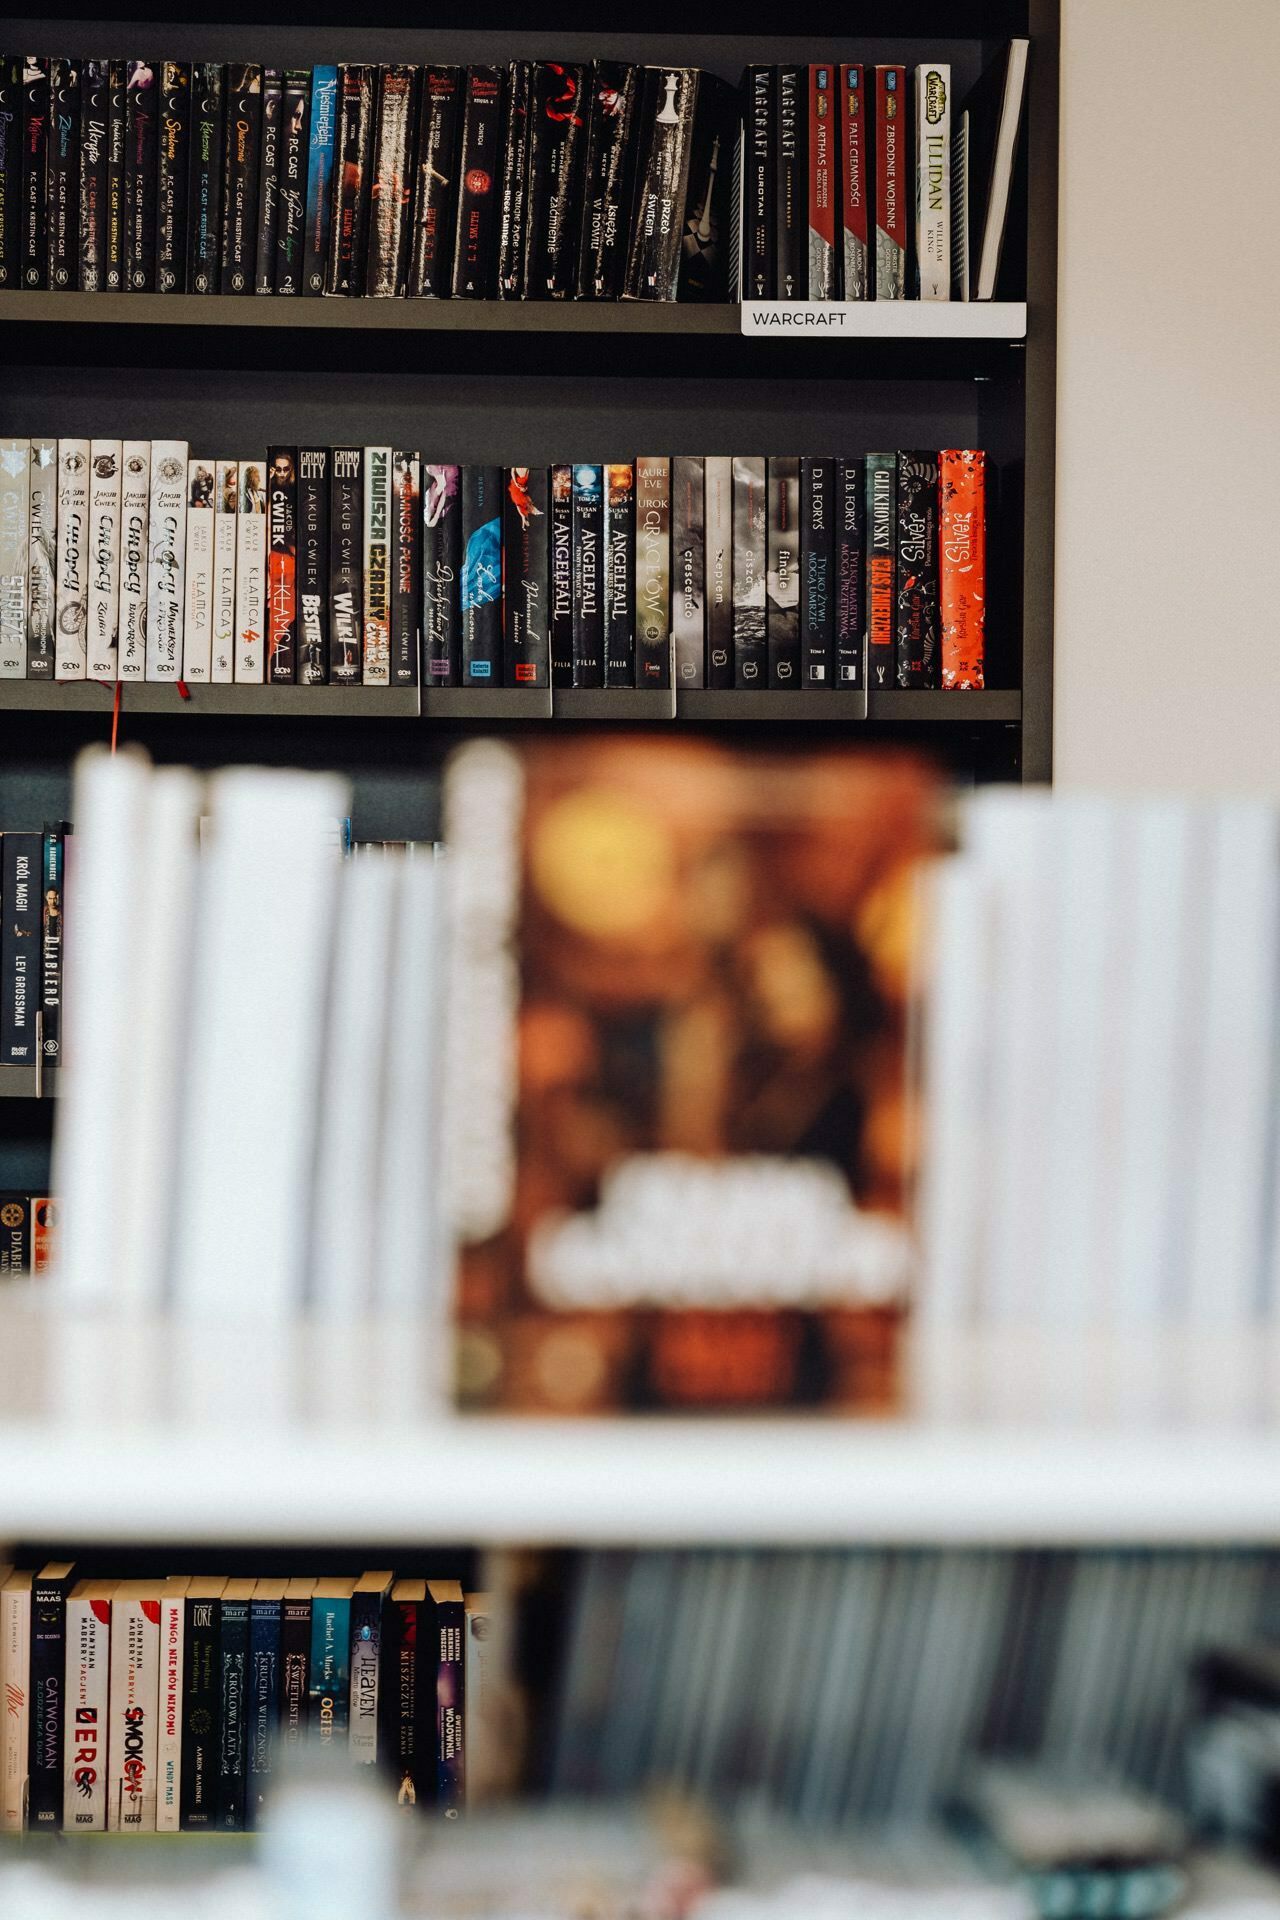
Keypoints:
pixel 917 638
pixel 588 572
pixel 851 574
pixel 84 1789
pixel 406 566
pixel 392 183
pixel 197 623
pixel 353 168
pixel 103 604
pixel 35 172
pixel 653 572
pixel 204 226
pixel 759 189
pixel 20 873
pixel 891 183
pixel 665 113
pixel 993 113
pixel 313 566
pixel 264 274
pixel 15 1728
pixel 291 191
pixel 377 566
pixel 688 577
pixel 608 179
pixel 42 555
pixel 142 123
pixel 328 1695
pixel 792 270
pixel 170 1697
pixel 132 1734
pixel 173 176
pixel 444 1610
pixel 15 526
pixel 817 573
pixel 933 181
pixel 64 173
pixel 526 584
pixel 201 1705
pixel 561 622
pixel 10 170
pixel 824 260
pixel 853 183
pixel 135 509
pixel 513 181
pixel 251 570
pixel 282 565
pixel 222 645
pixel 882 551
pixel 72 591
pixel 116 247
pixel 750 564
pixel 442 575
pixel 619 575
pixel 481 576
pixel 233 1702
pixel 48 1674
pixel 782 584
pixel 414 1771
pixel 962 547
pixel 476 230
pixel 557 153
pixel 95 80
pixel 719 570
pixel 320 161
pixel 262 1706
pixel 166 546
pixel 435 183
pixel 51 909
pixel 346 566
pixel 369 1600
pixel 241 178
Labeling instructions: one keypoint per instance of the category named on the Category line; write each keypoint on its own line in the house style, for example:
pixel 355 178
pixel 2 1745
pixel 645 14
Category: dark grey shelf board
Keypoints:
pixel 140 696
pixel 378 316
pixel 19 1083
pixel 750 703
pixel 486 703
pixel 614 703
pixel 960 707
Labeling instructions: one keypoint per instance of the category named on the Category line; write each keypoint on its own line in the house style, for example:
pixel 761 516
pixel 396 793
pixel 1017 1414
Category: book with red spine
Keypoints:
pixel 824 260
pixel 962 548
pixel 891 183
pixel 882 549
pixel 853 183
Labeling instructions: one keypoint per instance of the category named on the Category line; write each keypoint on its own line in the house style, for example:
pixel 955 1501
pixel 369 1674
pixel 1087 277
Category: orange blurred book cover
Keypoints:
pixel 678 1128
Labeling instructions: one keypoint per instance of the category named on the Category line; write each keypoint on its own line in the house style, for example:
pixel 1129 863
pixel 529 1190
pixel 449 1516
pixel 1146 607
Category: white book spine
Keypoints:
pixel 15 503
pixel 85 1765
pixel 933 180
pixel 169 1717
pixel 226 487
pixel 251 572
pixel 377 567
pixel 135 504
pixel 166 550
pixel 104 559
pixel 72 593
pixel 15 1666
pixel 42 559
pixel 407 1256
pixel 197 625
pixel 132 1727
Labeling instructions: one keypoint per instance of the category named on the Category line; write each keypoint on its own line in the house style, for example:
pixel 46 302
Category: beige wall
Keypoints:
pixel 1167 637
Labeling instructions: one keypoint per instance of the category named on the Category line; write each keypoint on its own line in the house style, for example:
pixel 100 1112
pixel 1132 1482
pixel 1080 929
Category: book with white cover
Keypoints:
pixel 933 180
pixel 169 1704
pixel 135 508
pixel 166 550
pixel 42 559
pixel 226 488
pixel 15 1698
pixel 15 500
pixel 251 571
pixel 132 1741
pixel 71 597
pixel 104 559
pixel 86 1707
pixel 408 1256
pixel 197 623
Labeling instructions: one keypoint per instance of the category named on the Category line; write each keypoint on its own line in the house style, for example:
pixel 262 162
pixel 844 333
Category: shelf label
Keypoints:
pixel 884 319
pixel 796 316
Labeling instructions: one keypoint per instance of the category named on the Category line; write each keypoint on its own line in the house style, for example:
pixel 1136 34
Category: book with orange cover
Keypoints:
pixel 962 549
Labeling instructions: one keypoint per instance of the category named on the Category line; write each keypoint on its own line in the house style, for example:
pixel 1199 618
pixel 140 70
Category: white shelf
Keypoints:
pixel 884 319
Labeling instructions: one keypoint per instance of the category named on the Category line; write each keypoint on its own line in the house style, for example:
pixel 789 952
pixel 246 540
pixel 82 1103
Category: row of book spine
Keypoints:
pixel 532 180
pixel 351 565
pixel 171 1705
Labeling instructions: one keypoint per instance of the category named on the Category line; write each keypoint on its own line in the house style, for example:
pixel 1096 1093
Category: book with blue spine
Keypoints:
pixel 444 1621
pixel 368 1600
pixel 200 1776
pixel 482 576
pixel 324 111
pixel 262 1708
pixel 328 1699
pixel 233 1673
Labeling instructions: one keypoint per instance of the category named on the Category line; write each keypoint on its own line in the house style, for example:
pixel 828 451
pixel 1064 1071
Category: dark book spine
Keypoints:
pixel 435 189
pixel 319 193
pixel 16 1237
pixel 48 1710
pixel 851 574
pixel 392 184
pixel 204 259
pixel 666 118
pixel 264 270
pixel 891 183
pixel 482 576
pixel 719 571
pixel 20 860
pixel 557 150
pixel 525 581
pixel 291 192
pixel 51 946
pixel 35 172
pixel 653 572
pixel 64 172
pixel 94 99
pixel 399 1729
pixel 475 249
pixel 295 1666
pixel 783 580
pixel 114 243
pixel 282 565
pixel 817 573
pixel 608 179
pixel 882 548
pixel 142 127
pixel 853 184
pixel 706 245
pixel 240 178
pixel 619 576
pixel 406 567
pixel 10 170
pixel 352 171
pixel 262 1711
pixel 560 623
pixel 442 576
pixel 760 185
pixel 824 260
pixel 233 1709
pixel 513 214
pixel 313 566
pixel 173 177
pixel 791 272
pixel 442 1706
pixel 346 566
pixel 688 569
pixel 201 1716
pixel 917 634
pixel 588 581
pixel 750 565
